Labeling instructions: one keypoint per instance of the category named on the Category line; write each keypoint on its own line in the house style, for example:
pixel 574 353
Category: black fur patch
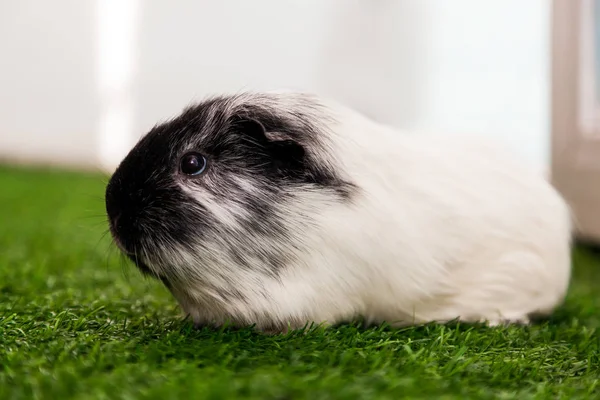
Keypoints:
pixel 236 135
pixel 275 150
pixel 144 205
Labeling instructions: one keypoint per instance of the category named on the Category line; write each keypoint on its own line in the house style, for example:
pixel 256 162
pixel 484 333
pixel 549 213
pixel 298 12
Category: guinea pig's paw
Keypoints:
pixel 283 328
pixel 204 321
pixel 275 331
pixel 504 322
pixel 203 324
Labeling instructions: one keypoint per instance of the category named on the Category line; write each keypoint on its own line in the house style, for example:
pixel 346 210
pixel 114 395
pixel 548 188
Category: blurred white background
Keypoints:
pixel 80 81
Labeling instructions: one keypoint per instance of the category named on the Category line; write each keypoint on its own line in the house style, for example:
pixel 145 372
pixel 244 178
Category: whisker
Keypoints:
pixel 109 255
pixel 125 267
pixel 103 216
pixel 100 239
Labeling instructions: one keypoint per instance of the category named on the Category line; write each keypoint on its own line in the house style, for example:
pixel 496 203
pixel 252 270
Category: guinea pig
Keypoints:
pixel 280 210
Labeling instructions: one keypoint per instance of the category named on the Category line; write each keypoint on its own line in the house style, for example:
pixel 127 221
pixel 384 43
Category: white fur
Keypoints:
pixel 441 228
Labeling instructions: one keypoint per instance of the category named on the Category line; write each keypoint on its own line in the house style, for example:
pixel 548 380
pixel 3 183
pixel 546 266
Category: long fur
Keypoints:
pixel 370 222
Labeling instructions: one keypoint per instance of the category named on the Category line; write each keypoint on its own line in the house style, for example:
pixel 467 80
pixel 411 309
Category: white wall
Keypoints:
pixel 48 90
pixel 81 80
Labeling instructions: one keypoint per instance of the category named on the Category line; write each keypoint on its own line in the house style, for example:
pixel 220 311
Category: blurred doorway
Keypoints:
pixel 576 110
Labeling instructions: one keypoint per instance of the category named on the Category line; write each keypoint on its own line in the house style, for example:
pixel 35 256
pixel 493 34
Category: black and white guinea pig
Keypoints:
pixel 282 209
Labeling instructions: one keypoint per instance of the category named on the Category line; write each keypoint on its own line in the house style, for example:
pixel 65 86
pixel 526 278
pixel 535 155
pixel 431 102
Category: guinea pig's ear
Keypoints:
pixel 252 128
pixel 280 146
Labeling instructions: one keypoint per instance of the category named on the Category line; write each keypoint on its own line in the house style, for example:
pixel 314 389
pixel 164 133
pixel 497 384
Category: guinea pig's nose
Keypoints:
pixel 120 218
pixel 113 220
pixel 124 232
pixel 111 200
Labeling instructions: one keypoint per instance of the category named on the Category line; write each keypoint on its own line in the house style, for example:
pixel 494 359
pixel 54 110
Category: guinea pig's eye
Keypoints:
pixel 193 164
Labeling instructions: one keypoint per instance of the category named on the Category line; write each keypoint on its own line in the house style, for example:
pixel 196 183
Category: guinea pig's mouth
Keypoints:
pixel 128 248
pixel 129 254
pixel 146 270
pixel 137 260
pixel 142 266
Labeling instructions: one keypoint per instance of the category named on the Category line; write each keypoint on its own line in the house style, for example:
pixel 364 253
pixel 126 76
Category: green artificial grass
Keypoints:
pixel 78 321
